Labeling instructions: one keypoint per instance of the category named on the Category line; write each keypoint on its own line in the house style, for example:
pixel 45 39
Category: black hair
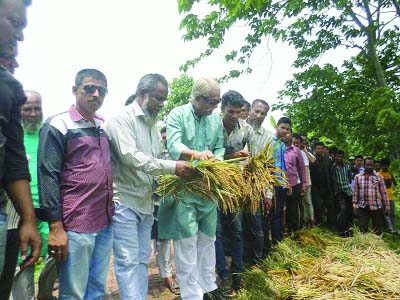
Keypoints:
pixel 164 129
pixel 233 98
pixel 333 150
pixel 263 102
pixel 319 143
pixel 369 158
pixel 385 161
pixel 297 136
pixel 93 73
pixel 340 152
pixel 130 99
pixel 149 82
pixel 247 104
pixel 285 120
pixel 358 156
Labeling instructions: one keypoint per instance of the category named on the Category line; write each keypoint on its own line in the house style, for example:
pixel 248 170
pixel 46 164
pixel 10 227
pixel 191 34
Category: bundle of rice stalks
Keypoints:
pixel 261 175
pixel 219 181
pixel 361 267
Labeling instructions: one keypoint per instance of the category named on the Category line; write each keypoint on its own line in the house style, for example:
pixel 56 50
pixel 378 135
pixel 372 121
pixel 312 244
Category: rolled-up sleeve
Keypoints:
pixel 124 140
pixel 50 162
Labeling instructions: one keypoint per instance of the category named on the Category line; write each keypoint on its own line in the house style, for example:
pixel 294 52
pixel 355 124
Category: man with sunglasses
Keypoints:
pixel 194 132
pixel 75 190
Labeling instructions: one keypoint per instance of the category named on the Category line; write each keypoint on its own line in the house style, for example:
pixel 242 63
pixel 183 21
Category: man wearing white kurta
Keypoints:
pixel 194 132
pixel 135 145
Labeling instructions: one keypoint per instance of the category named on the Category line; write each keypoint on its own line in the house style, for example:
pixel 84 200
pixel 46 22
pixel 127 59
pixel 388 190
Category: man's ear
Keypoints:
pixel 74 90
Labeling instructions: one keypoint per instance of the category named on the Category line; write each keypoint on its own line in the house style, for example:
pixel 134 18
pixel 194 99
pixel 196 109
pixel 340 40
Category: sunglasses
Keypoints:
pixel 211 102
pixel 90 89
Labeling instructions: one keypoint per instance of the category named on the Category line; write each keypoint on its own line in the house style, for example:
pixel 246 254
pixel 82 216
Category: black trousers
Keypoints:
pixel 345 212
pixel 293 209
pixel 364 214
pixel 323 200
pixel 10 263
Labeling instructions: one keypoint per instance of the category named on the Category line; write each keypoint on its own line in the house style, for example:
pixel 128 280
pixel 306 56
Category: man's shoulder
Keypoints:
pixel 58 121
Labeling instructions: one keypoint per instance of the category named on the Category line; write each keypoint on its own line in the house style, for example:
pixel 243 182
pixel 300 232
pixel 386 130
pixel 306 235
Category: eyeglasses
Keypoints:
pixel 90 89
pixel 211 102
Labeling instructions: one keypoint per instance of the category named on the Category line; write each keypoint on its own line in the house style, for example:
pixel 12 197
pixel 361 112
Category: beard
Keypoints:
pixel 31 126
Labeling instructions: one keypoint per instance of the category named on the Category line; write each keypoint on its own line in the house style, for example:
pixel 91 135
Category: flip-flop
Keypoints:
pixel 173 288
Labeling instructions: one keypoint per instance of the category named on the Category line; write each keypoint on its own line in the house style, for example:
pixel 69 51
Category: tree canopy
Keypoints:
pixel 356 104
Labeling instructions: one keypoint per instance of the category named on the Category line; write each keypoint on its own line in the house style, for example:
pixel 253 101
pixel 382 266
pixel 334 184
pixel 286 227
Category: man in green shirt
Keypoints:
pixel 194 132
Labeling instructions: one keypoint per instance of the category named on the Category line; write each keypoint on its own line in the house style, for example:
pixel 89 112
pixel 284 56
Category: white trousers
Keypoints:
pixel 195 265
pixel 162 250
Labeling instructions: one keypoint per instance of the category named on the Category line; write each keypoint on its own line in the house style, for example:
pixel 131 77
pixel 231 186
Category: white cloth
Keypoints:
pixel 162 249
pixel 195 265
pixel 305 158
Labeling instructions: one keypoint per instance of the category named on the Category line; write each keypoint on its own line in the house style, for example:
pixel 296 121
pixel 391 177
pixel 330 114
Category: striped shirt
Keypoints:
pixel 74 172
pixel 260 139
pixel 370 192
pixel 238 138
pixel 343 179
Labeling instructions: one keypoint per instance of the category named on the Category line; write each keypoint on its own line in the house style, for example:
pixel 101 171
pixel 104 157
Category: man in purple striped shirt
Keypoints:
pixel 295 170
pixel 370 198
pixel 75 190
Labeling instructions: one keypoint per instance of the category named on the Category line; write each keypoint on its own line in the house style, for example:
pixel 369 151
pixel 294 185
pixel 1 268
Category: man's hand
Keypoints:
pixel 303 190
pixel 267 205
pixel 29 235
pixel 289 190
pixel 184 169
pixel 241 153
pixel 202 155
pixel 58 241
pixel 355 209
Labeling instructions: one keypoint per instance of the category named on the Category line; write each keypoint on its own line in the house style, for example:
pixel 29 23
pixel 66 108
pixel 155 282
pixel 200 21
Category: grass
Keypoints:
pixel 393 241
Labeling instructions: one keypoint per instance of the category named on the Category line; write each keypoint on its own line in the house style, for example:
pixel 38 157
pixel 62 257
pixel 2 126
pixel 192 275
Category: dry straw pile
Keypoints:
pixel 228 184
pixel 315 264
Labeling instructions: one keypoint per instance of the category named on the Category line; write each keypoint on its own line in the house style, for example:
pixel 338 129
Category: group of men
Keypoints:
pixel 95 183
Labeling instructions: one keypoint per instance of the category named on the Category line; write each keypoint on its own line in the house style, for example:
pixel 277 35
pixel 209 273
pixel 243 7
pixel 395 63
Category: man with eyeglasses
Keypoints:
pixel 75 190
pixel 194 132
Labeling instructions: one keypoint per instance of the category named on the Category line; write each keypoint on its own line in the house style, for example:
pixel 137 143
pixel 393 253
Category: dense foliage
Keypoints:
pixel 356 105
pixel 179 94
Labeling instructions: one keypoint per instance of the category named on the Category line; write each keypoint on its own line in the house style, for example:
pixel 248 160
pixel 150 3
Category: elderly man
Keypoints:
pixel 135 145
pixel 75 190
pixel 14 173
pixel 194 132
pixel 24 286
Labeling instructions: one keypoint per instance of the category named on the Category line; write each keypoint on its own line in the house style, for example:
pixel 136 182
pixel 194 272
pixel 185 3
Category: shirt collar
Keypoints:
pixel 76 116
pixel 137 109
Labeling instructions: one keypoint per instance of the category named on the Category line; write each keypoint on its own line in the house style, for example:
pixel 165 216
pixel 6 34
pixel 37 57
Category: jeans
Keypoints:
pixel 83 275
pixel 229 226
pixel 3 236
pixel 132 248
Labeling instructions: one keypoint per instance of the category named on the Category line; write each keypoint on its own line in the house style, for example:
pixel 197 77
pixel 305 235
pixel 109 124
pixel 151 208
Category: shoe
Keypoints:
pixel 214 295
pixel 237 282
pixel 173 288
pixel 225 284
